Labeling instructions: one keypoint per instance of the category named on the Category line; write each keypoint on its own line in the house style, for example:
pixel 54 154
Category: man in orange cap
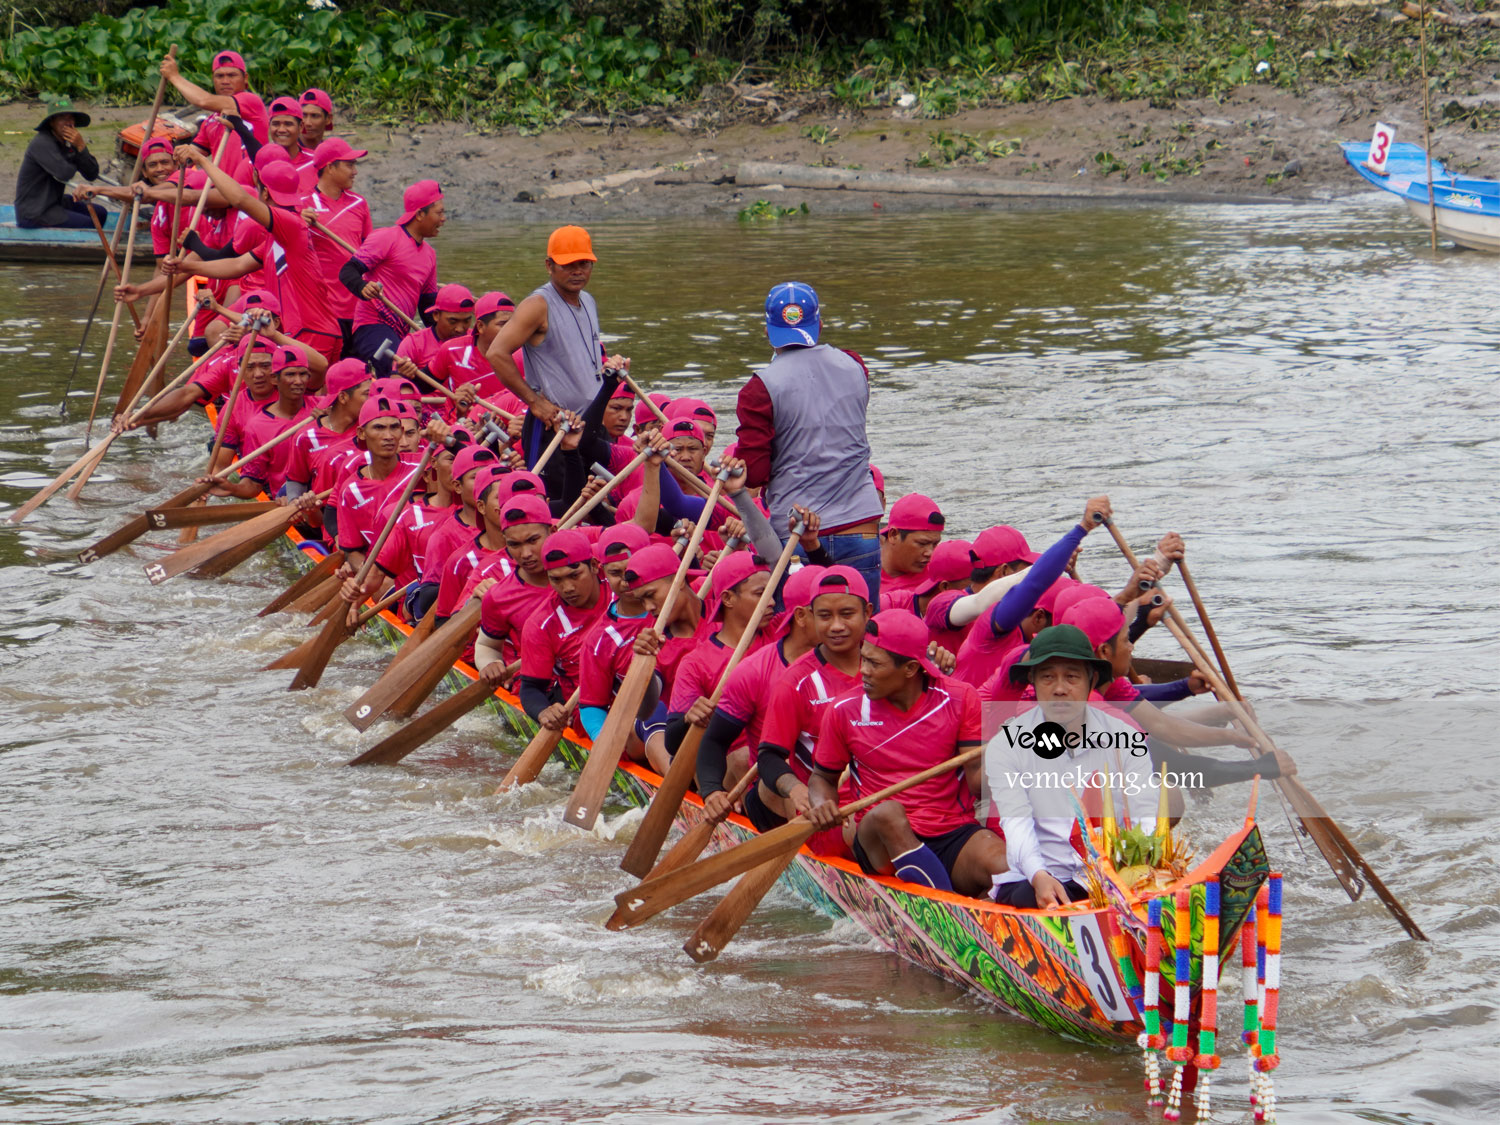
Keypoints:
pixel 557 330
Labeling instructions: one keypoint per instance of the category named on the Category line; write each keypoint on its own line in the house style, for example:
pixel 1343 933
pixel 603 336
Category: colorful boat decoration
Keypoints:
pixel 1467 208
pixel 1084 974
pixel 55 244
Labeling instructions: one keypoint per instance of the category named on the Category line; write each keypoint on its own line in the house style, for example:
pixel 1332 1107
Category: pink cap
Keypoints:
pixel 568 548
pixel 230 58
pixel 693 408
pixel 996 546
pixel 621 541
pixel 949 563
pixel 518 484
pixel 343 376
pixel 378 406
pixel 490 475
pixel 1100 619
pixel 1048 600
pixel 286 107
pixel 914 512
pixel 156 144
pixel 525 481
pixel 624 390
pixel 268 155
pixel 1073 595
pixel 840 580
pixel 261 345
pixel 314 96
pixel 878 477
pixel 423 193
pixel 394 386
pixel 644 413
pixel 902 634
pixel 335 148
pixel 257 299
pixel 525 508
pixel 452 297
pixel 729 573
pixel 288 355
pixel 472 457
pixel 651 564
pixel 282 183
pixel 685 428
pixel 491 302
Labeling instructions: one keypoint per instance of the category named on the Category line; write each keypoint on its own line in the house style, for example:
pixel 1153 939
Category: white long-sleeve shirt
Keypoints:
pixel 1033 797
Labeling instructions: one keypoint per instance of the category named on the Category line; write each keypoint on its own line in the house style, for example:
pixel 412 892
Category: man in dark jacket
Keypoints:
pixel 55 155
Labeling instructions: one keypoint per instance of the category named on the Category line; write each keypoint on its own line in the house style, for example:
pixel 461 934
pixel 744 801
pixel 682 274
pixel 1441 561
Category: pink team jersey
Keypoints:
pixel 552 640
pixel 699 671
pixel 450 532
pixel 302 278
pixel 216 377
pixel 421 348
pixel 348 216
pixel 261 427
pixel 405 552
pixel 604 654
pixel 253 112
pixel 794 712
pixel 891 583
pixel 244 407
pixel 309 448
pixel 405 268
pixel 883 745
pixel 507 606
pixel 249 237
pixel 461 361
pixel 360 501
pixel 982 652
pixel 749 690
pixel 468 565
pixel 898 599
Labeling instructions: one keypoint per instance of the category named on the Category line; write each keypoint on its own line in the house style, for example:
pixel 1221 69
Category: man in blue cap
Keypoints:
pixel 802 432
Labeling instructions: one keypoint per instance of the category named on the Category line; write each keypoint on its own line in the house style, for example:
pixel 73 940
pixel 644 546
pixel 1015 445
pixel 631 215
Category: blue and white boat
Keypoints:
pixel 1468 208
pixel 56 244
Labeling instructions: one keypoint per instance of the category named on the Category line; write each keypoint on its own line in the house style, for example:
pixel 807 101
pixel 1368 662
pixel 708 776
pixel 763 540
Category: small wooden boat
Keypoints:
pixel 59 245
pixel 1468 208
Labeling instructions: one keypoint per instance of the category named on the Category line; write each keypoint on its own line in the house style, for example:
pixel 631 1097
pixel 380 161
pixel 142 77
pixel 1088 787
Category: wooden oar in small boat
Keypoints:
pixel 428 726
pixel 650 898
pixel 1351 868
pixel 114 327
pixel 652 833
pixel 691 843
pixel 324 568
pixel 111 264
pixel 204 515
pixel 606 751
pixel 247 537
pixel 340 626
pixel 433 658
pixel 529 765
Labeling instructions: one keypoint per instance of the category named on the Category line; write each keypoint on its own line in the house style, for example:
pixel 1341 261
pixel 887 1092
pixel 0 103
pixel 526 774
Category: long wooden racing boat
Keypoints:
pixel 1077 972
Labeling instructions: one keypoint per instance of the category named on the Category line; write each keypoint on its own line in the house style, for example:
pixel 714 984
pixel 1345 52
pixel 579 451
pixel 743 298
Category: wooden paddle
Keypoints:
pixel 436 655
pixel 114 326
pixel 200 515
pixel 691 843
pixel 257 320
pixel 724 920
pixel 1208 628
pixel 1351 868
pixel 452 396
pixel 415 325
pixel 340 626
pixel 604 755
pixel 651 897
pixel 254 533
pixel 110 263
pixel 677 469
pixel 420 633
pixel 652 833
pixel 93 456
pixel 111 247
pixel 529 765
pixel 552 447
pixel 311 578
pixel 427 727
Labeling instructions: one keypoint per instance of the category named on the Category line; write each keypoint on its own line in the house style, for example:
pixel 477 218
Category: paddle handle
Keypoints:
pixel 289 432
pixel 390 523
pixel 575 515
pixel 234 394
pixel 452 396
pixel 537 751
pixel 348 249
pixel 1208 629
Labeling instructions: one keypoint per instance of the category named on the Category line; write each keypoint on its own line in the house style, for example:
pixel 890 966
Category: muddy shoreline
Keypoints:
pixel 1261 143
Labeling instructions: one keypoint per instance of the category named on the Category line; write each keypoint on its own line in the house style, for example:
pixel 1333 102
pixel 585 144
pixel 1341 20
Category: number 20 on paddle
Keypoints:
pixel 1380 147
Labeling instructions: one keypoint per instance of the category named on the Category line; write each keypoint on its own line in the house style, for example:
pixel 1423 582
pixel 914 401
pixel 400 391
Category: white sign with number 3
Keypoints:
pixel 1099 968
pixel 1380 147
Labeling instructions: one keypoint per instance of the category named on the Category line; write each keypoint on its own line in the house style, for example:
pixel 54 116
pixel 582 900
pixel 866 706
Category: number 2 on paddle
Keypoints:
pixel 1380 147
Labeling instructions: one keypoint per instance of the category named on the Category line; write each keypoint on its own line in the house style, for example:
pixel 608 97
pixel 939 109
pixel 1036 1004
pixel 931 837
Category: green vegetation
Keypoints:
pixel 764 209
pixel 953 148
pixel 533 62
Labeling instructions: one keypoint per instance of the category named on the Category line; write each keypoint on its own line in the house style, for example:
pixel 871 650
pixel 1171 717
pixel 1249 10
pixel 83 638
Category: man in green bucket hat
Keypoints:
pixel 1048 756
pixel 55 155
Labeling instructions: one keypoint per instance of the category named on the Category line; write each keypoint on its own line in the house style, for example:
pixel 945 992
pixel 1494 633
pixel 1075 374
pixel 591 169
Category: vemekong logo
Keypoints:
pixel 1048 740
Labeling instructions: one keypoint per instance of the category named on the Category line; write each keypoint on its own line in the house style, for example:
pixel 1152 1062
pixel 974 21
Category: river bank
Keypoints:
pixel 1259 142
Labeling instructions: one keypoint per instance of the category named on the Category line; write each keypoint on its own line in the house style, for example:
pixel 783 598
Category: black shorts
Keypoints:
pixel 946 847
pixel 1020 893
pixel 758 814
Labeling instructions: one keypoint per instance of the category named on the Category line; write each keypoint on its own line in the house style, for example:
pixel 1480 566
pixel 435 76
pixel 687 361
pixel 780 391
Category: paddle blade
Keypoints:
pixel 532 759
pixel 640 857
pixel 688 848
pixel 257 532
pixel 724 921
pixel 604 756
pixel 414 734
pixel 650 898
pixel 153 341
pixel 335 632
pixel 133 529
pixel 202 515
pixel 426 666
pixel 51 489
pixel 312 578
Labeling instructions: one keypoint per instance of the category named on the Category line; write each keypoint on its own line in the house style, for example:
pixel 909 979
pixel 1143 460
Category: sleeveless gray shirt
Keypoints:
pixel 565 365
